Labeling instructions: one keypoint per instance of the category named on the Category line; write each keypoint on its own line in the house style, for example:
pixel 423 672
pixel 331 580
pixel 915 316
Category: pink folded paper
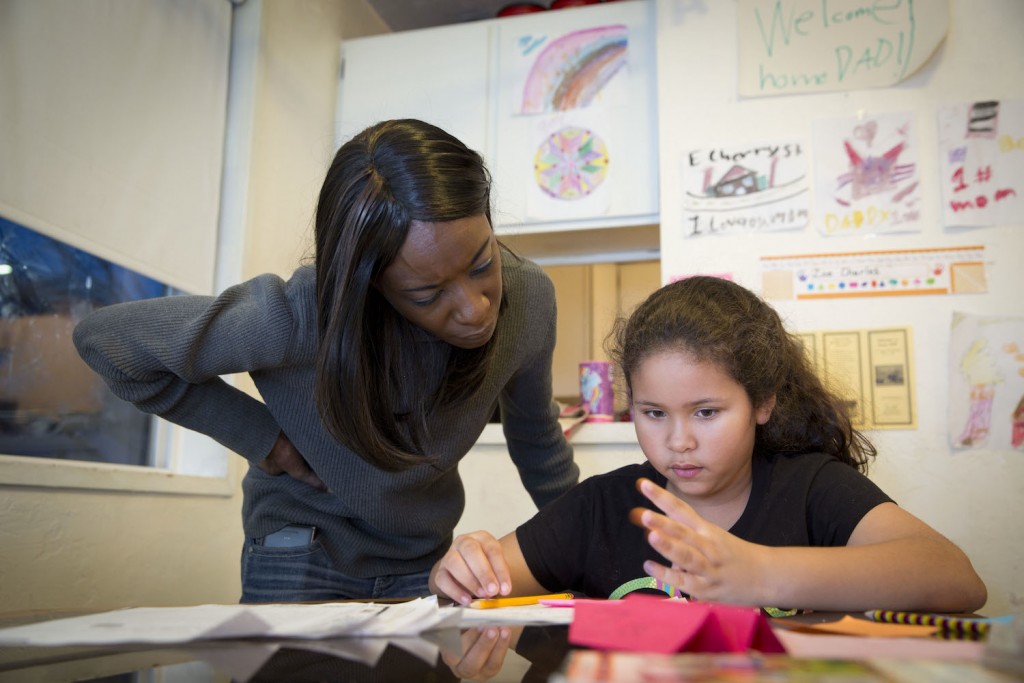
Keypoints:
pixel 647 623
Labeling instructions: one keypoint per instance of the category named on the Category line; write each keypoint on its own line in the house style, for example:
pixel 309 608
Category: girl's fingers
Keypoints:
pixel 668 503
pixel 677 542
pixel 484 658
pixel 671 576
pixel 682 550
pixel 482 655
pixel 483 570
pixel 667 528
pixel 453 577
pixel 499 567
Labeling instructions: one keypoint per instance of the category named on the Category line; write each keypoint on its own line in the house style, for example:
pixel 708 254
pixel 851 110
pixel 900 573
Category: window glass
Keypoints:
pixel 51 404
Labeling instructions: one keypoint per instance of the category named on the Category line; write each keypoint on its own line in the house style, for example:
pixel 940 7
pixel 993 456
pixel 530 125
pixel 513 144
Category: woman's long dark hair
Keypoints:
pixel 714 320
pixel 370 371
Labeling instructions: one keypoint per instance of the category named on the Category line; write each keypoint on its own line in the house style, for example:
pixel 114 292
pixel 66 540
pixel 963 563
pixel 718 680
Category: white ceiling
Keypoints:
pixel 403 15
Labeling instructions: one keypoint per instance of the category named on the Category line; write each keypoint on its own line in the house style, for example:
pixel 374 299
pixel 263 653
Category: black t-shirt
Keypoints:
pixel 584 541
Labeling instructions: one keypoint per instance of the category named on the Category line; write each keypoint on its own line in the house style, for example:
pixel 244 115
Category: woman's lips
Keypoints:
pixel 480 336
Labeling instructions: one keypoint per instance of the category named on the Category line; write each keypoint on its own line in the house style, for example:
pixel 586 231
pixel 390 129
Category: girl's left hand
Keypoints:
pixel 708 562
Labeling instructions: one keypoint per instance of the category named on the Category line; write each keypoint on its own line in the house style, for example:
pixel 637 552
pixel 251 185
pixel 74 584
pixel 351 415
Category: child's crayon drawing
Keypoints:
pixel 981 162
pixel 572 167
pixel 571 70
pixel 867 178
pixel 745 189
pixel 986 383
pixel 570 163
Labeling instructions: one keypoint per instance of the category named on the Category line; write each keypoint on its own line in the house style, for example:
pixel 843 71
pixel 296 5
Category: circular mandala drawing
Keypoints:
pixel 570 163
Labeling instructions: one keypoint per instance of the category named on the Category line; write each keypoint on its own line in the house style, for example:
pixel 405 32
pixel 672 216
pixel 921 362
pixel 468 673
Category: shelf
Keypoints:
pixel 589 433
pixel 594 245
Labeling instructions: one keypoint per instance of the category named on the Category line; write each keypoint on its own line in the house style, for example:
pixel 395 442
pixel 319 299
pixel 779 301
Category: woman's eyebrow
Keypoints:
pixel 481 250
pixel 476 256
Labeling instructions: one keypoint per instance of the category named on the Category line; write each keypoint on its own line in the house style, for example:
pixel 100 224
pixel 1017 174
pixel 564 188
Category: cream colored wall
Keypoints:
pixel 68 549
pixel 294 129
pixel 71 549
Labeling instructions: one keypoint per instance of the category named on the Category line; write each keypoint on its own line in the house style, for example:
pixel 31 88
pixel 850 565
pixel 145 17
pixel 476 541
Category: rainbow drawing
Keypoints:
pixel 573 68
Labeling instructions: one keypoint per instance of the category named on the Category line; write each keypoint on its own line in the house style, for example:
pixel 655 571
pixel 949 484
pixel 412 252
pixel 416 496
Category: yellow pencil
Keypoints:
pixel 491 603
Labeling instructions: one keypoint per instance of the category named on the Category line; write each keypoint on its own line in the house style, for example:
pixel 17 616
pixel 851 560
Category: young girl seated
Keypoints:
pixel 753 491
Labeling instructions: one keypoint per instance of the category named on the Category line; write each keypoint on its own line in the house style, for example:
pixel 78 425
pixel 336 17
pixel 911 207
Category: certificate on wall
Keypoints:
pixel 872 370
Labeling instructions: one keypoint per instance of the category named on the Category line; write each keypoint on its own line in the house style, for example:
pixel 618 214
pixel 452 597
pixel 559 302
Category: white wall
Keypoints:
pixel 78 548
pixel 972 497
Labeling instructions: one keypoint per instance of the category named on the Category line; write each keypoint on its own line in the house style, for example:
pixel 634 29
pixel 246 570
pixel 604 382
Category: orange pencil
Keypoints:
pixel 491 603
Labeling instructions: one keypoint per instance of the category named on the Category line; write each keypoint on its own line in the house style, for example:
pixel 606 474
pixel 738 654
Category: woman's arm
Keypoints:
pixel 892 561
pixel 529 415
pixel 480 566
pixel 166 356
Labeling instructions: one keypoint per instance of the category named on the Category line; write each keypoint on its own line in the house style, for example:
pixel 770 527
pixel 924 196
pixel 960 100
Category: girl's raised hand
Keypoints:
pixel 475 566
pixel 707 562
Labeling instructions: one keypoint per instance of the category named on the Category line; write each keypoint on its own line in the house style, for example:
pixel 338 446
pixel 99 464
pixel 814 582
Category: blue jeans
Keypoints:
pixel 305 573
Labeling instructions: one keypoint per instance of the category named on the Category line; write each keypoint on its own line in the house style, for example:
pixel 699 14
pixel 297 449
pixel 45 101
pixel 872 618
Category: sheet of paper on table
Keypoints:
pixel 524 614
pixel 164 625
pixel 835 646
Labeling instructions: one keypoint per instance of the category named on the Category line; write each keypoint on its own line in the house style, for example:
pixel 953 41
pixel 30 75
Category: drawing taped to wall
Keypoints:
pixel 572 166
pixel 573 70
pixel 570 163
pixel 745 189
pixel 981 162
pixel 605 72
pixel 986 383
pixel 867 177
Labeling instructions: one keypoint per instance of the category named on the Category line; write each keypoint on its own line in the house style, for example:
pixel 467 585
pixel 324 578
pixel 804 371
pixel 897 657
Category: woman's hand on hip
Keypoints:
pixel 284 458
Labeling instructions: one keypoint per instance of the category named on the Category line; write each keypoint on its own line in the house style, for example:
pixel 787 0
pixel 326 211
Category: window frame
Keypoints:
pixel 180 450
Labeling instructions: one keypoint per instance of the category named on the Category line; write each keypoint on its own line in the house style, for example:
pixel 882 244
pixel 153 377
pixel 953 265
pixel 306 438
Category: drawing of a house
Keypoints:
pixel 736 181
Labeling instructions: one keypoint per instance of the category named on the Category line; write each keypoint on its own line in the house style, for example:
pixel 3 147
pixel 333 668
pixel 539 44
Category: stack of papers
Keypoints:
pixel 164 625
pixel 170 625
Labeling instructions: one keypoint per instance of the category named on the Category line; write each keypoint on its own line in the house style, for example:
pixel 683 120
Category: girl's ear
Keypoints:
pixel 764 411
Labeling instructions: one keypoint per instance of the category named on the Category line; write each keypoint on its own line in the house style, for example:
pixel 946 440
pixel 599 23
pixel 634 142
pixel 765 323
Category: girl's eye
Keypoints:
pixel 707 412
pixel 654 413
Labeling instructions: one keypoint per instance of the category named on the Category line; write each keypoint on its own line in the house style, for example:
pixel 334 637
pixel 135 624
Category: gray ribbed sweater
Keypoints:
pixel 166 355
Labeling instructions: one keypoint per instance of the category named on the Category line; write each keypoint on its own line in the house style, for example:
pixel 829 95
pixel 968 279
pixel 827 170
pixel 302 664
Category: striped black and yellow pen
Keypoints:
pixel 965 628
